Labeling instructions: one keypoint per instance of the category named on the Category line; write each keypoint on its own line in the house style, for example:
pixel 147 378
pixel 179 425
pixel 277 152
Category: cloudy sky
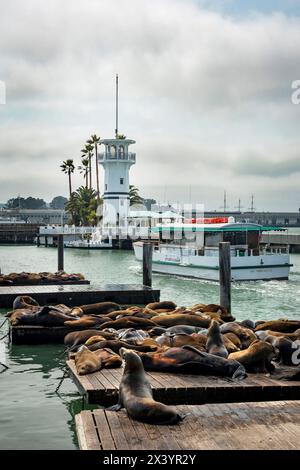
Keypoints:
pixel 205 90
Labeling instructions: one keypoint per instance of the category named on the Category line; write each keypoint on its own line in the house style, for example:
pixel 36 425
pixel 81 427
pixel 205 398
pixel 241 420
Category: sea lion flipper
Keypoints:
pixel 116 407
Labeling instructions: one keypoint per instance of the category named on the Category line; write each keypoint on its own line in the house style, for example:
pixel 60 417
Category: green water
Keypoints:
pixel 32 415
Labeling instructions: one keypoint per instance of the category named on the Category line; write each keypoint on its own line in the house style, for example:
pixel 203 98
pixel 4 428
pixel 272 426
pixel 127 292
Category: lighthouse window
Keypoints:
pixel 121 180
pixel 105 187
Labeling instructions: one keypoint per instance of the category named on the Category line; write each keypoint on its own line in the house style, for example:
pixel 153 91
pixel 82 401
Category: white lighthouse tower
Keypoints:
pixel 116 161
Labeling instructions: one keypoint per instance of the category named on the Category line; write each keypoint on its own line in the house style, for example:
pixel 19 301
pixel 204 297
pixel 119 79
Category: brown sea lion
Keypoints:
pixel 115 345
pixel 286 348
pixel 229 345
pixel 87 321
pixel 135 394
pixel 293 336
pixel 24 301
pixel 224 314
pixel 100 308
pixel 109 359
pixel 181 319
pixel 246 335
pixel 44 316
pixel 248 324
pixel 129 322
pixel 77 338
pixel 233 338
pixel 165 305
pixel 257 357
pixel 281 325
pixel 215 343
pixel 178 340
pixel 86 361
pixel 188 359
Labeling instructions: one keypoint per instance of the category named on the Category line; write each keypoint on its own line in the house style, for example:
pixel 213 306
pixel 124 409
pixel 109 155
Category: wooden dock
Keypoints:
pixel 46 283
pixel 38 334
pixel 102 387
pixel 242 426
pixel 74 295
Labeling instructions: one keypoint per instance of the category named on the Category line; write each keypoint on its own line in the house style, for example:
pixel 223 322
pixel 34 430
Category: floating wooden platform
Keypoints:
pixel 102 387
pixel 38 334
pixel 74 295
pixel 242 426
pixel 47 283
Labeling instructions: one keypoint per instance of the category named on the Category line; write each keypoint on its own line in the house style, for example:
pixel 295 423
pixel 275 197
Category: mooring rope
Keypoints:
pixel 62 379
pixel 3 322
pixel 4 365
pixel 7 334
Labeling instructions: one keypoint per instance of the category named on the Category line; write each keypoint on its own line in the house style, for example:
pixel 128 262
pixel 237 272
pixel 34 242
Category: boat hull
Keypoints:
pixel 248 268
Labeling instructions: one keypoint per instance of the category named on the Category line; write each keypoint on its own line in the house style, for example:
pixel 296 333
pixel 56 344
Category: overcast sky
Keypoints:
pixel 205 90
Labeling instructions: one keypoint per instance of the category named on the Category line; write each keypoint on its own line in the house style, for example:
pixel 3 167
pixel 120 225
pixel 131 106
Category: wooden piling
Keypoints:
pixel 60 253
pixel 147 264
pixel 225 275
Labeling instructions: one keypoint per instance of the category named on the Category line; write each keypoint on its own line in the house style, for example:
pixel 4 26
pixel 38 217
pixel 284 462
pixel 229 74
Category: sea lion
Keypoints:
pixel 224 314
pixel 165 305
pixel 132 336
pixel 215 344
pixel 86 361
pixel 181 319
pixel 135 394
pixel 178 340
pixel 87 321
pixel 109 359
pixel 24 301
pixel 115 345
pixel 246 335
pixel 293 336
pixel 286 348
pixel 129 322
pixel 100 308
pixel 229 345
pixel 257 357
pixel 192 361
pixel 248 324
pixel 187 329
pixel 281 325
pixel 44 316
pixel 157 331
pixel 76 338
pixel 233 338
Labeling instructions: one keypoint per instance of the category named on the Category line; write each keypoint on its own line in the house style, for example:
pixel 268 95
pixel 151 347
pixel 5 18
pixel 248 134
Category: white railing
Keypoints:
pixel 131 156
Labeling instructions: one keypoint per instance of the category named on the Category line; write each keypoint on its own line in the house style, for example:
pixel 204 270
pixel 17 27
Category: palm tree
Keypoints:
pixel 85 202
pixel 68 168
pixel 95 141
pixel 84 168
pixel 88 150
pixel 134 196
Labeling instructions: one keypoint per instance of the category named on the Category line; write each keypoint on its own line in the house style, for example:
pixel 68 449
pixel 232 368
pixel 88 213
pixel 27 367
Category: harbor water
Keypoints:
pixel 32 415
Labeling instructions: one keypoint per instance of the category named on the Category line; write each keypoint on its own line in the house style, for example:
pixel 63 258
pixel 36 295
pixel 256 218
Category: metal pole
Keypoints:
pixel 225 275
pixel 60 252
pixel 147 264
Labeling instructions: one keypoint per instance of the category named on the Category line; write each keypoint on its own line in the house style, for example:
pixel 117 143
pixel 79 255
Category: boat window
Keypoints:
pixel 212 238
pixel 235 238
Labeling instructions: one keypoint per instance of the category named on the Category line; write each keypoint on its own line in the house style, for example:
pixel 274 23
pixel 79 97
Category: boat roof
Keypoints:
pixel 222 227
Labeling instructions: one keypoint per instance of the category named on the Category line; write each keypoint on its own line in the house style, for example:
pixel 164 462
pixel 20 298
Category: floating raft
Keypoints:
pixel 103 387
pixel 74 295
pixel 243 426
pixel 38 334
pixel 26 282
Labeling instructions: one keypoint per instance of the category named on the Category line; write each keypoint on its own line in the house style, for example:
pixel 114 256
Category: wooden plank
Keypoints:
pixel 103 428
pixel 262 425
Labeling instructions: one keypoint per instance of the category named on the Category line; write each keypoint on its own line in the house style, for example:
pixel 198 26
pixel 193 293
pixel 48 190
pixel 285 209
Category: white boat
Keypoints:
pixel 192 250
pixel 92 241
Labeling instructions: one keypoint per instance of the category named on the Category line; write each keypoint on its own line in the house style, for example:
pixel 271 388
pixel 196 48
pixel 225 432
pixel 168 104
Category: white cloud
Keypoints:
pixel 206 96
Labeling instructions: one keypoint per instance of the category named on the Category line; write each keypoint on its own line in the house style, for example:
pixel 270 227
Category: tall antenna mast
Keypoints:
pixel 225 200
pixel 252 208
pixel 117 105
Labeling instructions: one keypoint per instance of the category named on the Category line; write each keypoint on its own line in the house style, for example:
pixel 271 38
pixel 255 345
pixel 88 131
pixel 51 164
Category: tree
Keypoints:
pixel 88 150
pixel 28 203
pixel 83 206
pixel 134 196
pixel 58 202
pixel 95 141
pixel 68 168
pixel 84 169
